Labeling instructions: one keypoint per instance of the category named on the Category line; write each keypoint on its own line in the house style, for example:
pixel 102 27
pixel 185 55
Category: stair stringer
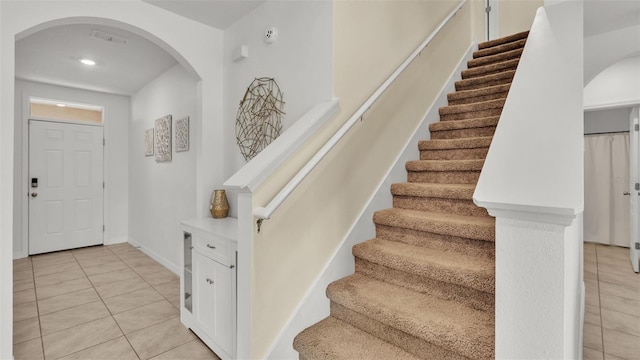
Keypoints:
pixel 315 305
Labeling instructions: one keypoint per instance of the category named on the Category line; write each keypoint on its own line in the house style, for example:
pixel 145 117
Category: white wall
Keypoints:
pixel 116 123
pixel 161 194
pixel 604 50
pixel 617 85
pixel 300 61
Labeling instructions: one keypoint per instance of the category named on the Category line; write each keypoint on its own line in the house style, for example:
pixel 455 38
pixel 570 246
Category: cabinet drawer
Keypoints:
pixel 214 248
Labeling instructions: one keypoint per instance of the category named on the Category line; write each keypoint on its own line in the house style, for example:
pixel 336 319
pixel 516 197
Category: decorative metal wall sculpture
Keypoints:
pixel 259 118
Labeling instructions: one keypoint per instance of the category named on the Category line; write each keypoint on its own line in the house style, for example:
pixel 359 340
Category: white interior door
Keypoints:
pixel 634 190
pixel 66 186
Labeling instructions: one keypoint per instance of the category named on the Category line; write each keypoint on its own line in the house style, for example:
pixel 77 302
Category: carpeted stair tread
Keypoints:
pixel 497 90
pixel 445 165
pixel 447 324
pixel 511 64
pixel 500 48
pixel 503 56
pixel 471 227
pixel 428 190
pixel 442 265
pixel 467 108
pixel 464 124
pixel 503 40
pixel 466 143
pixel 501 78
pixel 333 339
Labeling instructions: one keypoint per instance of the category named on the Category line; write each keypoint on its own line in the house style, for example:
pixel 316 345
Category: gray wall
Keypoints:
pixel 610 120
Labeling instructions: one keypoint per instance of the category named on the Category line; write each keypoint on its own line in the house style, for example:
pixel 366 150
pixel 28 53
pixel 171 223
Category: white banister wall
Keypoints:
pixel 532 182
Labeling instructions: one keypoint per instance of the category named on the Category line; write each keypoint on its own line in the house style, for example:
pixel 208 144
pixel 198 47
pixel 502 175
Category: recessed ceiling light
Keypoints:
pixel 88 62
pixel 61 105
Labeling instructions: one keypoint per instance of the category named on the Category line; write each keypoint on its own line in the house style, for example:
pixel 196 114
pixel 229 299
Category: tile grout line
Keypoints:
pixel 109 310
pixel 164 298
pixel 76 259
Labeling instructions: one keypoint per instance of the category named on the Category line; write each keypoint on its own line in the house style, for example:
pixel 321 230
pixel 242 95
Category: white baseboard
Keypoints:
pixel 116 240
pixel 315 305
pixel 152 254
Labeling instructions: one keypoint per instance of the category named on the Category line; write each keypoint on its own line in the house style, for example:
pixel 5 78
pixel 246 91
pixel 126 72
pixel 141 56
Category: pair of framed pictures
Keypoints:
pixel 158 140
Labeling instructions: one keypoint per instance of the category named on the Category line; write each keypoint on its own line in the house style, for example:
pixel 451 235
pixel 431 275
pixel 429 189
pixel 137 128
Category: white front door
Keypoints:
pixel 66 186
pixel 634 171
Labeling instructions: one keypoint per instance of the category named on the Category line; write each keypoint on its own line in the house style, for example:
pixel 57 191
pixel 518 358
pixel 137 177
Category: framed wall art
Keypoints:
pixel 148 142
pixel 182 134
pixel 163 139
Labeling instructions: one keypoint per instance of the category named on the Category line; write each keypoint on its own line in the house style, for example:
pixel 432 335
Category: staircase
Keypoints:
pixel 424 287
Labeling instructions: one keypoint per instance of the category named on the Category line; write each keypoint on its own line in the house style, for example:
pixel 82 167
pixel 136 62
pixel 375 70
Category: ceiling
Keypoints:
pixel 607 15
pixel 215 13
pixel 52 56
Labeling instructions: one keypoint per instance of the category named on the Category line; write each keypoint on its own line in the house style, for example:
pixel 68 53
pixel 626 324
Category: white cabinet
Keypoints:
pixel 208 304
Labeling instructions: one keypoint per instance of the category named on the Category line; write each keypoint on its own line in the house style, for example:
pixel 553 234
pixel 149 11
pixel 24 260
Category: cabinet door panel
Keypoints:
pixel 223 310
pixel 204 289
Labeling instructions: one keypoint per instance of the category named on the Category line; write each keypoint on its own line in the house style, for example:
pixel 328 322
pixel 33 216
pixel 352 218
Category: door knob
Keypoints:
pixel 34 194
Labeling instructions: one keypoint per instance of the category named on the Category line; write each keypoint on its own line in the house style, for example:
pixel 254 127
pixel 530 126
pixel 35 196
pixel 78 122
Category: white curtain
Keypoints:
pixel 606 178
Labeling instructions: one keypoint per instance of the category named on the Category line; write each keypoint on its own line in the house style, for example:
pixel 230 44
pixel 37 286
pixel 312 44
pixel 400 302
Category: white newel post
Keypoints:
pixel 538 286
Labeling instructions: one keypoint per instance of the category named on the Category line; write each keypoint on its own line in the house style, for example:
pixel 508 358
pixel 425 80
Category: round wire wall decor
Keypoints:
pixel 259 118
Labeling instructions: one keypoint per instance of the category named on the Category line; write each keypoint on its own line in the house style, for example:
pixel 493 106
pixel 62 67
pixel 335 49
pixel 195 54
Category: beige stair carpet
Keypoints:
pixel 424 287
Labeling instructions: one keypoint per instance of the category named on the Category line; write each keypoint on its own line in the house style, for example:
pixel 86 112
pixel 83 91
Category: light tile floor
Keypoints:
pixel 612 314
pixel 101 302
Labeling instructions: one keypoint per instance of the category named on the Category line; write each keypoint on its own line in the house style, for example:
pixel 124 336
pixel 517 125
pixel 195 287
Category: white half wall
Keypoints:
pixel 116 156
pixel 161 194
pixel 300 61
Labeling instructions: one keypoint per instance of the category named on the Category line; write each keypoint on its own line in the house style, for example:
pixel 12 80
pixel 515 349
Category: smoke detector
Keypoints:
pixel 271 34
pixel 103 35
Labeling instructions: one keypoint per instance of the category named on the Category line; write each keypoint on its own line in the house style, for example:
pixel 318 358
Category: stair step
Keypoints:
pixel 490 69
pixel 334 339
pixel 447 267
pixel 449 144
pixel 451 198
pixel 444 171
pixel 470 227
pixel 448 325
pixel 479 95
pixel 503 40
pixel 470 111
pixel 452 149
pixel 500 48
pixel 464 128
pixel 491 59
pixel 501 78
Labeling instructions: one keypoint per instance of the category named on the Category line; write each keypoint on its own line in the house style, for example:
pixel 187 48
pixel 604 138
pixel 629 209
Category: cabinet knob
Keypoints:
pixel 210 246
pixel 209 281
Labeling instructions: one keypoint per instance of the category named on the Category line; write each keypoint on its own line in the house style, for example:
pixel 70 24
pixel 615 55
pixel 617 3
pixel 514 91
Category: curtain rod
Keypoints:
pixel 609 132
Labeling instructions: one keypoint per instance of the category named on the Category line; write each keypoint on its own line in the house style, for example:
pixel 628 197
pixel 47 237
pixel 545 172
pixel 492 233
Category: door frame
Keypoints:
pixel 634 172
pixel 24 178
